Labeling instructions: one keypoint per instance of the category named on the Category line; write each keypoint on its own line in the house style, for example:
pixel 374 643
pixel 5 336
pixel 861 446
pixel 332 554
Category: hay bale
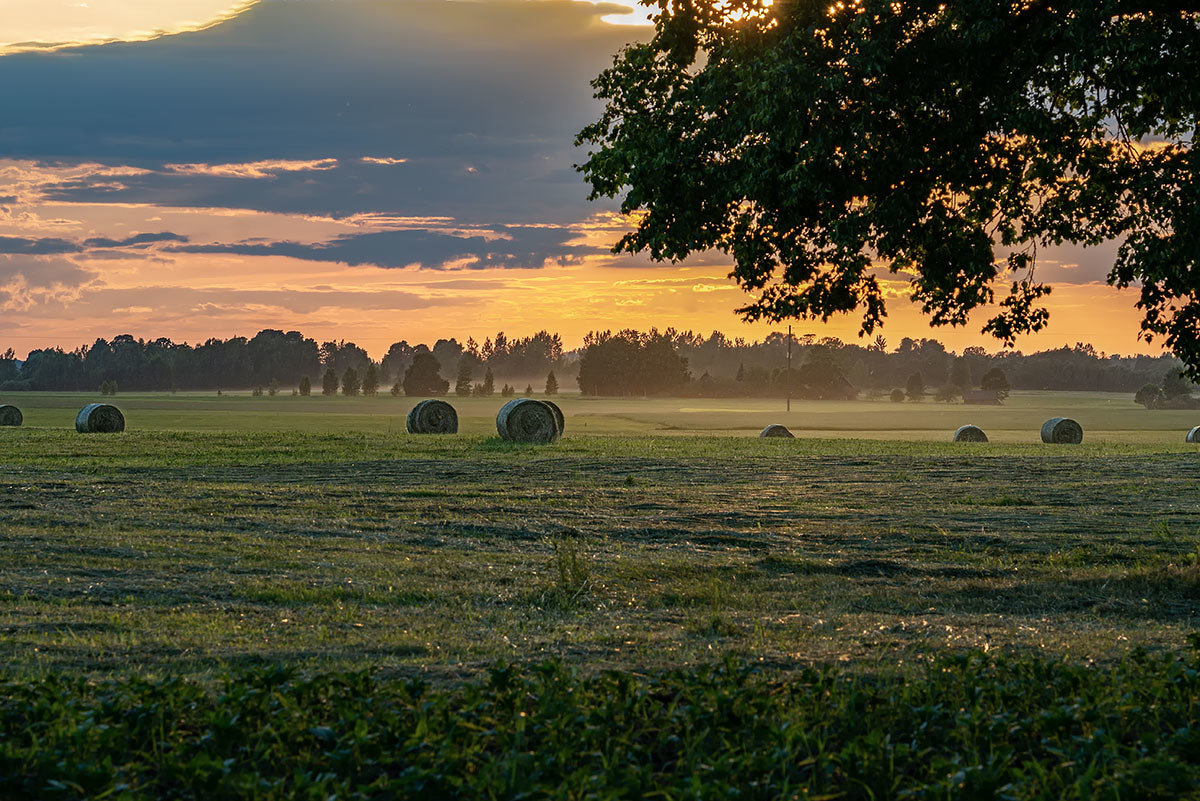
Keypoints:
pixel 776 430
pixel 10 416
pixel 970 433
pixel 432 417
pixel 1193 435
pixel 558 416
pixel 99 418
pixel 527 420
pixel 1062 431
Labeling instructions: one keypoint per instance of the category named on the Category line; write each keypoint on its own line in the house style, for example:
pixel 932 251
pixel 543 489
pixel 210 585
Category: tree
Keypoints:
pixel 329 382
pixel 551 384
pixel 466 372
pixel 305 386
pixel 813 142
pixel 914 389
pixel 897 395
pixel 995 380
pixel 1175 386
pixel 529 390
pixel 489 384
pixel 947 393
pixel 1150 396
pixel 370 383
pixel 421 377
pixel 960 374
pixel 350 382
pixel 273 387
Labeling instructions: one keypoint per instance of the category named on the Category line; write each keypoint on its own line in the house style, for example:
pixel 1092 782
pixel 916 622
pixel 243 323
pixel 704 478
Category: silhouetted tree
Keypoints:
pixel 370 383
pixel 489 384
pixel 551 384
pixel 1150 396
pixel 305 386
pixel 421 377
pixel 329 382
pixel 914 389
pixel 995 380
pixel 350 382
pixel 462 383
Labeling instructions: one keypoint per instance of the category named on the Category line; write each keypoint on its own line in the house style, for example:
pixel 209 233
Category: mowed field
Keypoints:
pixel 1108 417
pixel 221 532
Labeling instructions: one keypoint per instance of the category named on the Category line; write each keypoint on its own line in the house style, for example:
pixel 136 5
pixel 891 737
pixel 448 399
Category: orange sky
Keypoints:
pixel 207 184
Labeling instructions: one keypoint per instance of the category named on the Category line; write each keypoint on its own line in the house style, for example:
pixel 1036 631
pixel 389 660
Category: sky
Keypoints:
pixel 367 170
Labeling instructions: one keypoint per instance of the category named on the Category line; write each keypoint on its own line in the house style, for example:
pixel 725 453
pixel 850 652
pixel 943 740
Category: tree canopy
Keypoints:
pixel 826 146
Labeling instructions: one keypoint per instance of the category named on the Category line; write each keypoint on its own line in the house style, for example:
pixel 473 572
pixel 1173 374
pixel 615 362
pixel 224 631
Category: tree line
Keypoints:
pixel 620 363
pixel 270 357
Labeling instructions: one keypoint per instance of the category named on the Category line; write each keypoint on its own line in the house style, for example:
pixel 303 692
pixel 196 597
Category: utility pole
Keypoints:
pixel 787 379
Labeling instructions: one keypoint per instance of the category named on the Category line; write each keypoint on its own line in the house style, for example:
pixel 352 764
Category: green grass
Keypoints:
pixel 290 598
pixel 191 552
pixel 1104 416
pixel 970 727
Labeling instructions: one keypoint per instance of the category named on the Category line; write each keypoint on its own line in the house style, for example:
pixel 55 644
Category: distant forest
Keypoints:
pixel 622 363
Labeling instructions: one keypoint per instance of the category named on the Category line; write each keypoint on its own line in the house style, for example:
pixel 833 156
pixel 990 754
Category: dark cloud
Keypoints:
pixel 52 246
pixel 482 98
pixel 20 246
pixel 522 247
pixel 136 241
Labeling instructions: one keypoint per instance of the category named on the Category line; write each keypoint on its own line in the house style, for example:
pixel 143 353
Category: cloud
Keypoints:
pixel 45 246
pixel 36 247
pixel 254 169
pixel 309 107
pixel 135 241
pixel 513 247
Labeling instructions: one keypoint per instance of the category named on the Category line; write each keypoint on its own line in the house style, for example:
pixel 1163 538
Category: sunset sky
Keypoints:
pixel 369 170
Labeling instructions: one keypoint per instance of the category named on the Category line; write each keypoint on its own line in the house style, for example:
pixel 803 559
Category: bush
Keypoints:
pixel 965 726
pixel 897 395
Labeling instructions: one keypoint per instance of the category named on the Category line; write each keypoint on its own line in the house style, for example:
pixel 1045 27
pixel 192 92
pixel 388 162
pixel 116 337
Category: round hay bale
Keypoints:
pixel 776 430
pixel 99 418
pixel 527 420
pixel 432 417
pixel 10 416
pixel 1193 435
pixel 970 433
pixel 559 419
pixel 1062 431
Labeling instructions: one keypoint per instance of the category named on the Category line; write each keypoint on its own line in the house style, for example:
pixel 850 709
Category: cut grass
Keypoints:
pixel 189 552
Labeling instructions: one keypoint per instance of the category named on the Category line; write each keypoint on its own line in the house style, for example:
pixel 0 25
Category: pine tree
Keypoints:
pixel 273 387
pixel 529 390
pixel 462 384
pixel 350 383
pixel 489 384
pixel 551 384
pixel 370 383
pixel 305 386
pixel 329 382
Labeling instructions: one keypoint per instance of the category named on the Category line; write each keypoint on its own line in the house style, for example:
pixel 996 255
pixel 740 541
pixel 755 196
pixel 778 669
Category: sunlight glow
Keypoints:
pixel 38 25
pixel 636 15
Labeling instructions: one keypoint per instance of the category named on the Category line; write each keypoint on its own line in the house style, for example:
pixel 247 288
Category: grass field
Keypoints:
pixel 214 533
pixel 1108 417
pixel 281 598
